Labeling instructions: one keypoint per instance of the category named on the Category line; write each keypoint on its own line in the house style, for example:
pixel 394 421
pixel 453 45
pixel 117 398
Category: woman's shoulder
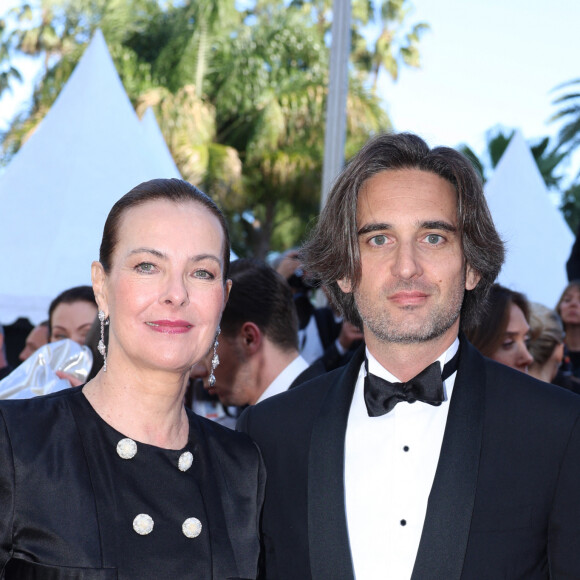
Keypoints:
pixel 50 400
pixel 39 409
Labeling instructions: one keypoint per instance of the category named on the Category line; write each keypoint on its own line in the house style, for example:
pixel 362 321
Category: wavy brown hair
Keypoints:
pixel 332 252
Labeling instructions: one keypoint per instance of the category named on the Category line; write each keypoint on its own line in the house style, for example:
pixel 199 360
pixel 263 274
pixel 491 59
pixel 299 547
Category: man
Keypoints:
pixel 480 482
pixel 258 344
pixel 37 337
pixel 5 368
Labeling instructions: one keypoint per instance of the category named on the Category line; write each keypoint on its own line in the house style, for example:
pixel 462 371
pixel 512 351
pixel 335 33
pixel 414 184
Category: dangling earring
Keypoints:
pixel 215 360
pixel 101 346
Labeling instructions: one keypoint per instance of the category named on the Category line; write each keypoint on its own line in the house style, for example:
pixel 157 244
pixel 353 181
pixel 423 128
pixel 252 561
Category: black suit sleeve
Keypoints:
pixel 6 495
pixel 564 531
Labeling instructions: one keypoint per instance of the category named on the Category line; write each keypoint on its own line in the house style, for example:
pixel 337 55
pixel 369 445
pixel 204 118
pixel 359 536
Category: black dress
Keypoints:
pixel 74 506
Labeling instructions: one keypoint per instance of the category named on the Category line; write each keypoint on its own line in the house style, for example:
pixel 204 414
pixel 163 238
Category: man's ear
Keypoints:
pixel 251 337
pixel 345 285
pixel 472 278
pixel 99 278
pixel 228 289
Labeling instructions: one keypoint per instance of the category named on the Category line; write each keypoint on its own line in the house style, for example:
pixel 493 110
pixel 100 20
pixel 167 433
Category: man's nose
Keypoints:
pixel 406 265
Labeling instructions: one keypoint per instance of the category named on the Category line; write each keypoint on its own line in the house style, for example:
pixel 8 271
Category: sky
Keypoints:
pixel 485 63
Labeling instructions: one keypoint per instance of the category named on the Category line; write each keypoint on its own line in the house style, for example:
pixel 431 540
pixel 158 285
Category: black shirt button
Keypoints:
pixel 403 522
pixel 406 448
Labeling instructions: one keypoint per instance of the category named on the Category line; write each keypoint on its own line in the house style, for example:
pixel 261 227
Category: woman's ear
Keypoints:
pixel 98 278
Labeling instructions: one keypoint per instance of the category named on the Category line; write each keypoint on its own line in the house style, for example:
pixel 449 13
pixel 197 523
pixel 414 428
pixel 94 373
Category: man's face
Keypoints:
pixel 38 337
pixel 233 377
pixel 413 271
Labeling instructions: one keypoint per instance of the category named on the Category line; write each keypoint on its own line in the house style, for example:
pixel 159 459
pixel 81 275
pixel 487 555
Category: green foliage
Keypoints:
pixel 570 206
pixel 240 95
pixel 475 160
pixel 569 112
pixel 547 160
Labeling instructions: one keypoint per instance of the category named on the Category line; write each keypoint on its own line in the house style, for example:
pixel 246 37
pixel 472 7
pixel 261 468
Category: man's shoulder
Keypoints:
pixel 308 391
pixel 514 387
pixel 292 410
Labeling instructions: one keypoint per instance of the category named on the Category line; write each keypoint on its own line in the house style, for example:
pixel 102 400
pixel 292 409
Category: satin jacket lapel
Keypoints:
pixel 225 565
pixel 449 510
pixel 330 557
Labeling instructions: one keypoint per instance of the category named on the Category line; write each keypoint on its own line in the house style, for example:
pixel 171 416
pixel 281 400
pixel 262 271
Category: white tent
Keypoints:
pixel 538 239
pixel 155 139
pixel 89 150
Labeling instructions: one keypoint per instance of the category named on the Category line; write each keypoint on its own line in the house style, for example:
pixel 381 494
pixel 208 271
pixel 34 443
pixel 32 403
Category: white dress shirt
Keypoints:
pixel 285 378
pixel 390 464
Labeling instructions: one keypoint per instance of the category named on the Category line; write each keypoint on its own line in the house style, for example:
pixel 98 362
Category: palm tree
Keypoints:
pixel 497 142
pixel 569 134
pixel 8 72
pixel 396 44
pixel 274 115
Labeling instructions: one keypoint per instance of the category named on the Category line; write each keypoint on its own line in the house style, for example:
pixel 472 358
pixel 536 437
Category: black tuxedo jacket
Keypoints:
pixel 505 501
pixel 56 502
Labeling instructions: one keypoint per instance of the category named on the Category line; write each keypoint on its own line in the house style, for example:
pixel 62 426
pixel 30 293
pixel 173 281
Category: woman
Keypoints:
pixel 505 333
pixel 116 478
pixel 568 308
pixel 547 342
pixel 71 314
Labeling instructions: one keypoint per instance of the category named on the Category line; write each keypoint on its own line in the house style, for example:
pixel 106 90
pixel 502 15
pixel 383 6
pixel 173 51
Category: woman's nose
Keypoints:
pixel 175 291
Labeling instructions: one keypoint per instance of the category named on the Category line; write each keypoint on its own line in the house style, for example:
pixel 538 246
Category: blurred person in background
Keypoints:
pixel 5 368
pixel 322 340
pixel 503 335
pixel 15 339
pixel 38 337
pixel 546 345
pixel 71 314
pixel 568 308
pixel 258 344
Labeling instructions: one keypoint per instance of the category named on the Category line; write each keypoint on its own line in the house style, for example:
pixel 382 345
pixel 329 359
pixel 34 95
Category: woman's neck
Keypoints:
pixel 573 337
pixel 544 373
pixel 148 408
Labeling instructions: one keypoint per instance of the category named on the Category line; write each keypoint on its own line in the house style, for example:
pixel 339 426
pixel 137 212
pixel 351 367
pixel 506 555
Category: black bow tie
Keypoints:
pixel 381 396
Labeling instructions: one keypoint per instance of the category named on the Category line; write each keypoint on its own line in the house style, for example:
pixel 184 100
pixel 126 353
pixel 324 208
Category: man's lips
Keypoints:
pixel 408 297
pixel 170 326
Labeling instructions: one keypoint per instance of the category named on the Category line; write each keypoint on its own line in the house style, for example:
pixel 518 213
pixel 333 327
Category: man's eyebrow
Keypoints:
pixel 439 225
pixel 429 225
pixel 376 227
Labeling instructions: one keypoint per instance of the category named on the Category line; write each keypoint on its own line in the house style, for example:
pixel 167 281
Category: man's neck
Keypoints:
pixel 271 363
pixel 406 360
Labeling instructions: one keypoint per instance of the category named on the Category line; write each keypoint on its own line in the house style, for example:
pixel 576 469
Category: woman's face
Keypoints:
pixel 72 320
pixel 570 306
pixel 513 351
pixel 165 292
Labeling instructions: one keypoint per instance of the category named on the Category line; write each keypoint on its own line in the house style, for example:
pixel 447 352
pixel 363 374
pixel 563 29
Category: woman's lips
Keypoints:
pixel 170 326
